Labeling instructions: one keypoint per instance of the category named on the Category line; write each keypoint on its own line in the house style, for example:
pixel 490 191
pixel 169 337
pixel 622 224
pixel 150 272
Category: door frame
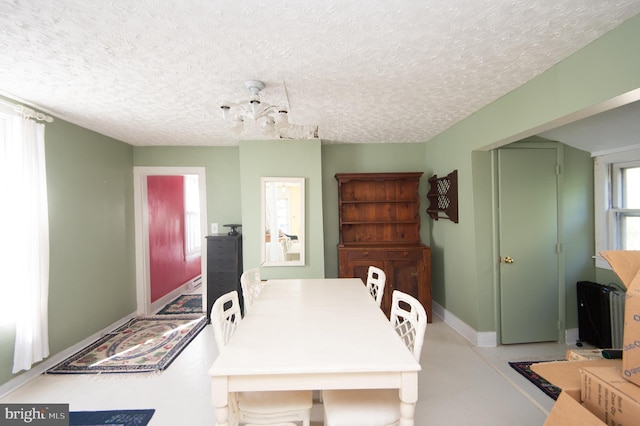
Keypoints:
pixel 560 238
pixel 141 225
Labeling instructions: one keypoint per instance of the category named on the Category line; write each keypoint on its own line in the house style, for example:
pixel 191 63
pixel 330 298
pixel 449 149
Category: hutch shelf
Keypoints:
pixel 379 225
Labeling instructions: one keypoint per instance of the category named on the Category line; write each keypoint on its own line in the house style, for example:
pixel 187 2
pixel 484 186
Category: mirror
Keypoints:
pixel 282 221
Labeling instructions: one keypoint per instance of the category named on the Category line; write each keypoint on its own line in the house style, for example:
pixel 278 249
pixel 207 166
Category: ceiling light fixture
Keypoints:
pixel 274 119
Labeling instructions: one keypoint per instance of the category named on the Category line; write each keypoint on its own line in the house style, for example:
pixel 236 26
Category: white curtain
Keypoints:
pixel 24 245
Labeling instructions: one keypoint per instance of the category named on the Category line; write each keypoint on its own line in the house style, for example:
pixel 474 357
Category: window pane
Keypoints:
pixel 631 188
pixel 630 232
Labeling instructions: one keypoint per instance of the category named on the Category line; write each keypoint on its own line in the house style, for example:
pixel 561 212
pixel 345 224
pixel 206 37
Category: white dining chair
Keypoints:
pixel 379 407
pixel 264 408
pixel 251 286
pixel 376 279
pixel 274 424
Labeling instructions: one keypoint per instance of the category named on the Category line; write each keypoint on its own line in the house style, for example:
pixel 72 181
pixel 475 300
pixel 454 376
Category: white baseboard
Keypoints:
pixel 483 339
pixel 487 339
pixel 194 283
pixel 187 287
pixel 572 335
pixel 52 361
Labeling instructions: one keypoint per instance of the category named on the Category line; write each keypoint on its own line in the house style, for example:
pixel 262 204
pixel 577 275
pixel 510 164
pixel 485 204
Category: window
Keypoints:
pixel 24 237
pixel 192 243
pixel 625 206
pixel 617 213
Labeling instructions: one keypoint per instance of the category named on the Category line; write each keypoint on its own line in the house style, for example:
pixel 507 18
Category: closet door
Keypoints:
pixel 529 245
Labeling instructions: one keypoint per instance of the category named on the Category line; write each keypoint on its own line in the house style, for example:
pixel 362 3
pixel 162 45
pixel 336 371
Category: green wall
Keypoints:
pixel 606 69
pixel 92 271
pixel 366 158
pixel 282 158
pixel 229 168
pixel 222 167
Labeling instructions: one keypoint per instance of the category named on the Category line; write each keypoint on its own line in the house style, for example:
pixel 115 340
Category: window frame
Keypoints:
pixel 192 240
pixel 607 199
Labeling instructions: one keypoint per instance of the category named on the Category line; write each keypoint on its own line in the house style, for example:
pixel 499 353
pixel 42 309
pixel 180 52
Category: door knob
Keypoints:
pixel 508 259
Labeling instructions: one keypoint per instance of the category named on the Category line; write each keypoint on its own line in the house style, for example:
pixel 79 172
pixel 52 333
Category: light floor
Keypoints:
pixel 459 385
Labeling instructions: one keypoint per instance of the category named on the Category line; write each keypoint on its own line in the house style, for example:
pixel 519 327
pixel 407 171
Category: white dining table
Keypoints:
pixel 314 334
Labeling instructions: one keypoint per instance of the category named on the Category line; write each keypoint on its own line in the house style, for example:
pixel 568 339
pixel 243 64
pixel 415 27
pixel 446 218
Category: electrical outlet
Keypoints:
pixel 214 228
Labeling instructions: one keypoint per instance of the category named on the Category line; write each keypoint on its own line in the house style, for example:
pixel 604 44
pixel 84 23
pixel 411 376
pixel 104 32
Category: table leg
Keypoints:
pixel 222 416
pixel 408 398
pixel 407 411
pixel 220 398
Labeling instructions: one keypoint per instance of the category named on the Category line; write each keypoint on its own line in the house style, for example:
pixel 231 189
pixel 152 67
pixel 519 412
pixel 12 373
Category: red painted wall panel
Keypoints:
pixel 167 264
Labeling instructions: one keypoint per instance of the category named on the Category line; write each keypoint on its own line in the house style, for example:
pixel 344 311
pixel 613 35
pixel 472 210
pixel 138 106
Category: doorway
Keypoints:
pixel 531 296
pixel 141 215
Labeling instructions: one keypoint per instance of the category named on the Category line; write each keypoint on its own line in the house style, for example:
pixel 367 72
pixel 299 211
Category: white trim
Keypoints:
pixel 141 214
pixel 484 339
pixel 301 234
pixel 614 151
pixel 169 297
pixel 572 335
pixel 602 196
pixel 22 379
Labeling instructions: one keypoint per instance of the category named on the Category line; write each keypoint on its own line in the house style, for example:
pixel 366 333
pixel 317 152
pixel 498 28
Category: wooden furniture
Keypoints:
pixel 443 197
pixel 379 225
pixel 290 327
pixel 224 267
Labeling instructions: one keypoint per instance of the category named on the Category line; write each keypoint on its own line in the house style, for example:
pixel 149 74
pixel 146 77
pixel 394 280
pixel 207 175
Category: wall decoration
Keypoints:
pixel 443 197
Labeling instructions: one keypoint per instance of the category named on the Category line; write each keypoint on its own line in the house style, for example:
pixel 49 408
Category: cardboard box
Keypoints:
pixel 609 396
pixel 566 374
pixel 583 354
pixel 568 409
pixel 626 264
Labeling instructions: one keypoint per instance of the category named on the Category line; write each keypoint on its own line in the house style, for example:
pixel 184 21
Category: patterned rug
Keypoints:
pixel 115 417
pixel 144 344
pixel 524 368
pixel 185 304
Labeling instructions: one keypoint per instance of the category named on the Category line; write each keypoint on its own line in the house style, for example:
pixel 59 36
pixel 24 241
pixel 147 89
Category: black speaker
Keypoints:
pixel 594 314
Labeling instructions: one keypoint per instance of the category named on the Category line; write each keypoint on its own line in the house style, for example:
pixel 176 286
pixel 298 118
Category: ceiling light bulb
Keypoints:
pixel 255 108
pixel 225 111
pixel 238 128
pixel 270 128
pixel 282 119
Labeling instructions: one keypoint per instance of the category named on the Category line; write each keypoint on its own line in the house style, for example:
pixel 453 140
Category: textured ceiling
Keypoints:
pixel 154 72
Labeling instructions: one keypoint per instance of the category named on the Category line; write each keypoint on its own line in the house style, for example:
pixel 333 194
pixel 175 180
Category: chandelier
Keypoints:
pixel 273 119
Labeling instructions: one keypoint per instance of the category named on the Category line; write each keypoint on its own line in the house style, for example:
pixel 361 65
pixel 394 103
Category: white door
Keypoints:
pixel 528 228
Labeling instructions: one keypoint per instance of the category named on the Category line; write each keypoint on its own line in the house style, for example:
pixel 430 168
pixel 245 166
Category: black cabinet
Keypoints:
pixel 224 267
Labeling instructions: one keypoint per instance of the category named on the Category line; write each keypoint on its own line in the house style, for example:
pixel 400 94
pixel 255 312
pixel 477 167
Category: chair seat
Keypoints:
pixel 274 402
pixel 362 407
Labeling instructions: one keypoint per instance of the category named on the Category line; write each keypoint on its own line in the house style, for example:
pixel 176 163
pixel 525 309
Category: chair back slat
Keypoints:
pixel 409 319
pixel 376 280
pixel 225 317
pixel 251 287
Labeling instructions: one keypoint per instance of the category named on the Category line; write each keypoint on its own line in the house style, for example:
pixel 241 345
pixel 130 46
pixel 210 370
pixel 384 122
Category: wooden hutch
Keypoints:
pixel 379 219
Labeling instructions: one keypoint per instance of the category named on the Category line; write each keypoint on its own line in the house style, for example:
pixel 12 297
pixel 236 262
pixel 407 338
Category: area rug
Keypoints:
pixel 144 344
pixel 185 304
pixel 524 368
pixel 115 417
